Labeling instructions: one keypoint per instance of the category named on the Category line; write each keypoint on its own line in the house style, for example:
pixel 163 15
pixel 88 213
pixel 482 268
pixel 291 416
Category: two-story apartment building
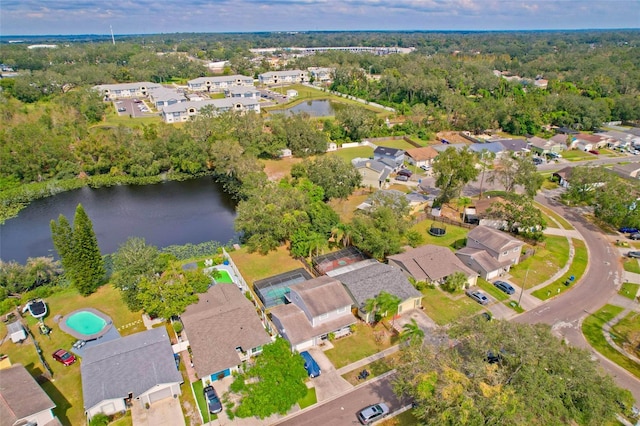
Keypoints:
pixel 162 97
pixel 219 83
pixel 283 77
pixel 125 90
pixel 184 111
pixel 318 307
pixel 242 92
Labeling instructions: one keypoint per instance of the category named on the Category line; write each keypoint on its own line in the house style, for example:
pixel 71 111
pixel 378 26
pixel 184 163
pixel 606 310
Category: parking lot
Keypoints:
pixel 132 107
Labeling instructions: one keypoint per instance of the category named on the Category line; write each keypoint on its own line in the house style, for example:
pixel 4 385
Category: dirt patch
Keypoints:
pixel 452 137
pixel 277 169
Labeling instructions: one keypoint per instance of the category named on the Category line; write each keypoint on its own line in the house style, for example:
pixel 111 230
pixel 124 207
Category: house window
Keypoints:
pixel 323 316
pixel 343 309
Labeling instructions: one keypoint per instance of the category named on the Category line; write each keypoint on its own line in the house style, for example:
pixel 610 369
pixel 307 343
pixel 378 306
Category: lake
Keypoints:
pixel 192 211
pixel 315 108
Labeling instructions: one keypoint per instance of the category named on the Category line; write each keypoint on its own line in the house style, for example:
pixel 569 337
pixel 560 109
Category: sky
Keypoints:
pixel 60 17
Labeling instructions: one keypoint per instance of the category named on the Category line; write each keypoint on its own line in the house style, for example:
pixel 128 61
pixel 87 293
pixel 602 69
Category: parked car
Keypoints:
pixel 64 357
pixel 310 364
pixel 372 413
pixel 405 172
pixel 213 402
pixel 594 152
pixel 122 109
pixel 505 286
pixel 425 167
pixel 555 155
pixel 628 230
pixel 402 178
pixel 478 297
pixel 634 254
pixel 537 160
pixel 635 236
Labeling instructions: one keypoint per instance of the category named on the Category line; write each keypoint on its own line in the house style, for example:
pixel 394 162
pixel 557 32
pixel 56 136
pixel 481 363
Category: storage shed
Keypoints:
pixel 16 331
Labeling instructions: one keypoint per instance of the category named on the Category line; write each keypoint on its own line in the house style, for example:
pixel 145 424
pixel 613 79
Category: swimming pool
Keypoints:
pixel 86 324
pixel 223 277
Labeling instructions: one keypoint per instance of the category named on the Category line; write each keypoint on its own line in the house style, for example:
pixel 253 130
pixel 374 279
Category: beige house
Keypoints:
pixel 318 307
pixel 432 264
pixel 22 400
pixel 374 173
pixel 499 245
pixel 421 156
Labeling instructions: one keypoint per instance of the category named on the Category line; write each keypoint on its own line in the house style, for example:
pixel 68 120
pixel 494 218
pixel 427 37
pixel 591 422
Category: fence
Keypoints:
pixel 243 283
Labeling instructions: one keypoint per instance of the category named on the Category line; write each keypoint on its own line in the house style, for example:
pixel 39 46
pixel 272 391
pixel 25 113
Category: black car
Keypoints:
pixel 212 399
pixel 405 172
pixel 505 286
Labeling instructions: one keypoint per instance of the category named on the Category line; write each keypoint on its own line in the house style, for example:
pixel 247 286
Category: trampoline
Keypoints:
pixel 437 230
pixel 273 291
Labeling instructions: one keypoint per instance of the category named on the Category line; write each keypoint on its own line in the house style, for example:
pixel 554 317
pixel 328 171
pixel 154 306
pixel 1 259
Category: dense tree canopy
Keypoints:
pixel 502 373
pixel 453 169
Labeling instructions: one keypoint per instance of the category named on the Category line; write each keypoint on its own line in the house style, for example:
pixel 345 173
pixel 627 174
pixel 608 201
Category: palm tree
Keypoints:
pixel 316 242
pixel 412 332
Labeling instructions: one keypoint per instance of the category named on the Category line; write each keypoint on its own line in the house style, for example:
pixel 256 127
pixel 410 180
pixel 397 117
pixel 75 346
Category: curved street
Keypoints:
pixel 599 284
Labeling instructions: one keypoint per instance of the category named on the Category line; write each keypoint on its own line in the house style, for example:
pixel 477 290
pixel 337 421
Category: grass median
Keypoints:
pixel 576 269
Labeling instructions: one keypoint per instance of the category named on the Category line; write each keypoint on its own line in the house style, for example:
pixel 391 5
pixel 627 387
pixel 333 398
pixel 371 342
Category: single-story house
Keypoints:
pixel 140 366
pixel 22 400
pixel 374 173
pixel 16 331
pixel 432 264
pixel 223 331
pixel 560 140
pixel 499 245
pixel 443 147
pixel 420 157
pixel 630 170
pixel 542 146
pixel 218 83
pixel 517 147
pixel 563 176
pixel 393 156
pixel 283 77
pixel 596 141
pixel 566 131
pixel 318 307
pixel 495 147
pixel 367 279
pixel 582 145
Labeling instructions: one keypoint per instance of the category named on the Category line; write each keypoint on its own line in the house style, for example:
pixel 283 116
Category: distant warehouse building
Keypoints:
pixel 184 111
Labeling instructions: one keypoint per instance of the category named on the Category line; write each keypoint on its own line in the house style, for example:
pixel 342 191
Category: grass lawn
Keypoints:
pixel 347 208
pixel 488 287
pixel 547 211
pixel 629 290
pixel 254 266
pixel 406 418
pixel 65 389
pixel 395 143
pixel 348 154
pixel 202 404
pixel 631 265
pixel 592 330
pixel 454 238
pixel 277 169
pixel 360 344
pixel 375 368
pixel 125 420
pixel 577 155
pixel 548 184
pixel 626 333
pixel 116 120
pixel 577 268
pixel 309 399
pixel 443 308
pixel 549 258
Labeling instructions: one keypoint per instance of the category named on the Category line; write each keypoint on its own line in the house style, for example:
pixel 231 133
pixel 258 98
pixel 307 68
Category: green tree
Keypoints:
pixel 453 169
pixel 62 236
pixel 382 306
pixel 521 216
pixel 278 382
pixel 88 265
pixel 585 182
pixel 617 203
pixel 166 296
pixel 504 373
pixel 133 260
pixel 336 177
pixel 412 332
pixel 454 282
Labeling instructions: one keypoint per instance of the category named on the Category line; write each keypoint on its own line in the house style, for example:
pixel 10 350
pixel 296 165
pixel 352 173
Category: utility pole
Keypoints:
pixel 524 283
pixel 113 40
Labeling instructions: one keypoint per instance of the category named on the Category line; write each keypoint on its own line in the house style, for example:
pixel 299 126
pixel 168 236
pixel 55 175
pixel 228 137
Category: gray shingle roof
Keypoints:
pixel 134 363
pixel 493 239
pixel 431 262
pixel 20 395
pixel 367 282
pixel 221 321
pixel 322 295
pixel 385 150
pixel 482 258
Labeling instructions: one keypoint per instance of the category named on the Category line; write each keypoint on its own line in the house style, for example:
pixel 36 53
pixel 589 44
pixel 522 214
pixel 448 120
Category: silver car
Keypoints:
pixel 372 413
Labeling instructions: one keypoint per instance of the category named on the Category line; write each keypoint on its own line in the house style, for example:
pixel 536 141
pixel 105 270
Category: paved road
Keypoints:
pixel 342 410
pixel 598 285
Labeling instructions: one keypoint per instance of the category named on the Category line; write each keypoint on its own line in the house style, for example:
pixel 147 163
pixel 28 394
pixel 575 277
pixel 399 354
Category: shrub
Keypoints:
pixel 177 327
pixel 99 419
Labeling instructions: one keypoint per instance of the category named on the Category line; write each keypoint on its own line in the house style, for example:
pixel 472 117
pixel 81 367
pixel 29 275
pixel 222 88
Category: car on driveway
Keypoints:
pixel 402 178
pixel 372 413
pixel 635 236
pixel 505 286
pixel 213 402
pixel 64 357
pixel 405 172
pixel 628 230
pixel 634 254
pixel 310 364
pixel 479 297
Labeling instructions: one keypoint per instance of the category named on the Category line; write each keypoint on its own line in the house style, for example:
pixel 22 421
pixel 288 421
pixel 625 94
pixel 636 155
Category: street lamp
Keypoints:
pixel 524 283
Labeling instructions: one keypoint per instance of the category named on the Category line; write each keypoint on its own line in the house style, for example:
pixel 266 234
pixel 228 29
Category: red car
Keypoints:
pixel 64 357
pixel 594 152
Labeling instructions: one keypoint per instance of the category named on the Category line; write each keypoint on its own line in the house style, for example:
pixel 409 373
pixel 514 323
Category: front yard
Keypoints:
pixel 444 308
pixel 549 258
pixel 576 269
pixel 365 341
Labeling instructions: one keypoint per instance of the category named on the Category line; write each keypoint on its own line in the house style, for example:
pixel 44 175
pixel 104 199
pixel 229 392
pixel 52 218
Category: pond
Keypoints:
pixel 192 211
pixel 315 108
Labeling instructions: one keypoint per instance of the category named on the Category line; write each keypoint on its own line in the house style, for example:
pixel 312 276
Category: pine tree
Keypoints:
pixel 89 266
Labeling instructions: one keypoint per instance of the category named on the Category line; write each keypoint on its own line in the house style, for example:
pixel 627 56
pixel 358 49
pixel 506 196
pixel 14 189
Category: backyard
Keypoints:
pixel 454 238
pixel 365 341
pixel 254 266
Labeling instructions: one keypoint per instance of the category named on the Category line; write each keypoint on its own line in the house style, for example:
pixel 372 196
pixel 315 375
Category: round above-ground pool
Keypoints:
pixel 86 324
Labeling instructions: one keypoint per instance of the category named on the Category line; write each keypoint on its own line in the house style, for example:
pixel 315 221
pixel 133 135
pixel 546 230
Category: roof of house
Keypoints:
pixel 495 147
pixel 298 329
pixel 224 103
pixel 221 321
pixel 484 259
pixel 588 138
pixel 564 173
pixel 270 74
pixel 367 282
pixel 626 169
pixel 443 147
pixel 241 90
pixel 566 131
pixel 493 239
pixel 221 79
pixel 431 262
pixel 515 145
pixel 134 363
pixel 484 203
pixel 20 395
pixel 14 327
pixel 321 295
pixel 538 142
pixel 560 139
pixel 422 154
pixel 164 94
pixel 390 152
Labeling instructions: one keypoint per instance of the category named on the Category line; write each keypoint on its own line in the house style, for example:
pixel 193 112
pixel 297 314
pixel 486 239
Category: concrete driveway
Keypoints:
pixel 162 413
pixel 329 383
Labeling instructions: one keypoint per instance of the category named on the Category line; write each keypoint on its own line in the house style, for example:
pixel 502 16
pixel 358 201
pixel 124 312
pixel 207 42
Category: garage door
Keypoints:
pixel 305 345
pixel 160 394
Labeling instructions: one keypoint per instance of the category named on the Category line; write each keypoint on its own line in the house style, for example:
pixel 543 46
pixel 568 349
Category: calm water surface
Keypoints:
pixel 167 213
pixel 315 108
